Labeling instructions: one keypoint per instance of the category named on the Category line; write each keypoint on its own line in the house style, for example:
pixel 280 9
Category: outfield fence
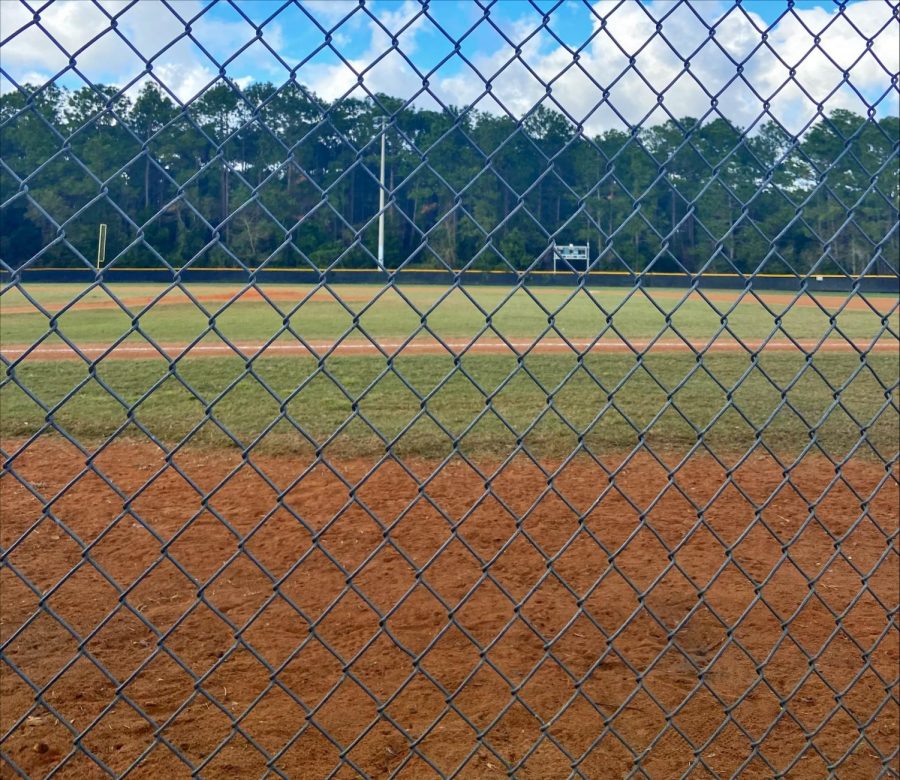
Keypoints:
pixel 660 601
pixel 873 283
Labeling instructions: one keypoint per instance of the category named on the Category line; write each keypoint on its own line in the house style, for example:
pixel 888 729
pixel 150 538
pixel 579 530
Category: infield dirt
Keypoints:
pixel 448 604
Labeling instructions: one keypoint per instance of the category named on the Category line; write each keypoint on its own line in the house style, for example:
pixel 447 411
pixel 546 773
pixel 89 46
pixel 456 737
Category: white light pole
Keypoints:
pixel 381 200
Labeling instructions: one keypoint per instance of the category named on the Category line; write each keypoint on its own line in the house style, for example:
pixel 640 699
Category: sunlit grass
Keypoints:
pixel 361 311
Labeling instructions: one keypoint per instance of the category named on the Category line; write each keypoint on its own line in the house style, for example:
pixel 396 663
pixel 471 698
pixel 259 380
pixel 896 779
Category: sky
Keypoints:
pixel 579 62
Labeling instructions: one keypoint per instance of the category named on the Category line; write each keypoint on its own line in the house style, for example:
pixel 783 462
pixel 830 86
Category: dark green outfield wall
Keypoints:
pixel 829 283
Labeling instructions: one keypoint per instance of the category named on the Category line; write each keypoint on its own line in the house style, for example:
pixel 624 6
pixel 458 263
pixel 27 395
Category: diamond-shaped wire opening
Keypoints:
pixel 252 231
pixel 413 623
pixel 29 122
pixel 93 120
pixel 444 755
pixel 62 187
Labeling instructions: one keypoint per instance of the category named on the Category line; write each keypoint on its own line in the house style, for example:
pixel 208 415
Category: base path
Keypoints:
pixel 364 294
pixel 132 350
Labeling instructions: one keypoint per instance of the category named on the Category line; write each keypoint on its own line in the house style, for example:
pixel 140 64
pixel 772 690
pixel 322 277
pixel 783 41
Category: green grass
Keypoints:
pixel 389 316
pixel 356 405
pixel 356 396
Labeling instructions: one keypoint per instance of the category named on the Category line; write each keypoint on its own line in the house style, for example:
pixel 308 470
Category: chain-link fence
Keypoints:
pixel 449 389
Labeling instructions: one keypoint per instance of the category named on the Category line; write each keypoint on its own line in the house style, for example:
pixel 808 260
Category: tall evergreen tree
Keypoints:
pixel 280 176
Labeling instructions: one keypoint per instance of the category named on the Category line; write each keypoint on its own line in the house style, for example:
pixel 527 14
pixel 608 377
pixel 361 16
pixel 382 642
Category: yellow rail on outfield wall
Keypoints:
pixel 470 271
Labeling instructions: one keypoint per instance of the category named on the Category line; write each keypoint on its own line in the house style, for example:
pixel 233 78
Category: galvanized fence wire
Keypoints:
pixel 878 248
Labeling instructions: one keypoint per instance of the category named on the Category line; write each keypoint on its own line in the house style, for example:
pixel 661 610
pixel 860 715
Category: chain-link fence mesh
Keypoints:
pixel 458 389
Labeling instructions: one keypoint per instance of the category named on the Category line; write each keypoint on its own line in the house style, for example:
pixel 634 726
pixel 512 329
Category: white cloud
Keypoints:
pixel 153 31
pixel 621 30
pixel 389 73
pixel 629 30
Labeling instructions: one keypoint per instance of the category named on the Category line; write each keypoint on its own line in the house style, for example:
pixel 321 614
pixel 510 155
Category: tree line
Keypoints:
pixel 279 176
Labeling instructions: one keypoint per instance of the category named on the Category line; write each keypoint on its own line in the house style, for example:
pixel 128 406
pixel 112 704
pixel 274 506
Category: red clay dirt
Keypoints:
pixel 136 302
pixel 712 618
pixel 137 350
pixel 773 300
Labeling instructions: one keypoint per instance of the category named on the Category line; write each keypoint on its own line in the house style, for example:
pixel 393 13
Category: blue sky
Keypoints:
pixel 571 20
pixel 36 53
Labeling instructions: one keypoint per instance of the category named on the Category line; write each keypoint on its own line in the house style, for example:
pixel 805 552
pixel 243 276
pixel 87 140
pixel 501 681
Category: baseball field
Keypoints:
pixel 432 370
pixel 417 530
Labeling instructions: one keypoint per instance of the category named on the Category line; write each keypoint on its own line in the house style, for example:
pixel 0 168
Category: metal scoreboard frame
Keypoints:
pixel 570 254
